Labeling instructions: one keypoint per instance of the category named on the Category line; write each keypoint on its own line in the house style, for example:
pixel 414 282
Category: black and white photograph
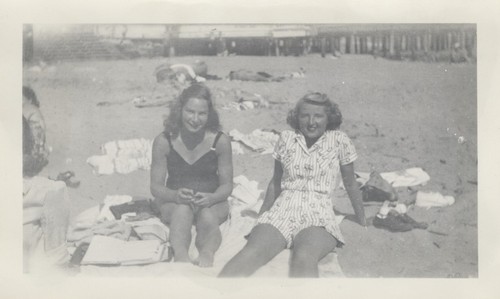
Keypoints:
pixel 187 150
pixel 255 149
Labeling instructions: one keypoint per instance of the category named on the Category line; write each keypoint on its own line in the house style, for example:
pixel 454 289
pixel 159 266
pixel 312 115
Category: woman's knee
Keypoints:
pixel 310 246
pixel 220 211
pixel 181 214
pixel 302 257
pixel 205 219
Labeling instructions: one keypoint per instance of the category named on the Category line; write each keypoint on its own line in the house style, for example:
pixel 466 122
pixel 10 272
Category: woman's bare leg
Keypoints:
pixel 264 243
pixel 208 234
pixel 180 220
pixel 309 246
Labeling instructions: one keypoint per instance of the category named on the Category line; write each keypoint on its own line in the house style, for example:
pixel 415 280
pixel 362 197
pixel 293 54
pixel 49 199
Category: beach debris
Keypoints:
pixel 433 199
pixel 261 141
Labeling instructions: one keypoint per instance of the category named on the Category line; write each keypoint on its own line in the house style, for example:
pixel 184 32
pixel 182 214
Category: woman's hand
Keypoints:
pixel 184 196
pixel 202 199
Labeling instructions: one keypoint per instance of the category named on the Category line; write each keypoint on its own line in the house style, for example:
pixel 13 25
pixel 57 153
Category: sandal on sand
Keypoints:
pixel 66 178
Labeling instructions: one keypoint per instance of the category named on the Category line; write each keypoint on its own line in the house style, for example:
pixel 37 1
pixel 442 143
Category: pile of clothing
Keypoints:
pixel 392 215
pixel 122 156
pixel 246 196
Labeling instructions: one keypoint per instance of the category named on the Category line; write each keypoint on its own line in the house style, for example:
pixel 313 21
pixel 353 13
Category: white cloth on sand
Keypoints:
pixel 259 140
pixel 403 178
pixel 433 199
pixel 122 156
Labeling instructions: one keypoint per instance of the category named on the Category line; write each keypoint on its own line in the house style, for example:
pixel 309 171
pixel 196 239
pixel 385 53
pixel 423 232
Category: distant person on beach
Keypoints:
pixel 192 175
pixel 297 212
pixel 45 211
pixel 31 111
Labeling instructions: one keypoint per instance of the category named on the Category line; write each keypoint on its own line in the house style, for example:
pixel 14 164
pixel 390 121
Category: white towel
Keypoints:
pixel 403 178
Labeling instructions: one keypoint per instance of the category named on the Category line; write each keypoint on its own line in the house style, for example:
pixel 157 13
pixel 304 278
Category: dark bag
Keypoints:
pixel 378 189
pixel 136 206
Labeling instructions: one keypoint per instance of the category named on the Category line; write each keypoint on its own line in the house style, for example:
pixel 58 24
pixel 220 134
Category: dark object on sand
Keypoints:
pixel 396 222
pixel 246 75
pixel 79 253
pixel 378 189
pixel 135 206
pixel 66 177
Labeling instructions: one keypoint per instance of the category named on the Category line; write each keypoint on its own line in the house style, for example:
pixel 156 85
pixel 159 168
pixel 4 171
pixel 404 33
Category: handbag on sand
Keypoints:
pixel 378 189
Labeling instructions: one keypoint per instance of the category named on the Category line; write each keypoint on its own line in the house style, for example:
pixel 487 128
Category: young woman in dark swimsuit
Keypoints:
pixel 192 175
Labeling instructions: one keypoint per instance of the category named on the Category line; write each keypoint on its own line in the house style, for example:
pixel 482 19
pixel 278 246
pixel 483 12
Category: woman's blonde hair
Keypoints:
pixel 320 99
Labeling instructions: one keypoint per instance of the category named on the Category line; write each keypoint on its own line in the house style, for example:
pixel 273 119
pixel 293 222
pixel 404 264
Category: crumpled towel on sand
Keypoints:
pixel 98 220
pixel 433 199
pixel 122 156
pixel 259 140
pixel 403 178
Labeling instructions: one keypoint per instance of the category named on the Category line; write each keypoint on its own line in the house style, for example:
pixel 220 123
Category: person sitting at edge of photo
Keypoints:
pixel 297 212
pixel 194 157
pixel 32 113
pixel 45 212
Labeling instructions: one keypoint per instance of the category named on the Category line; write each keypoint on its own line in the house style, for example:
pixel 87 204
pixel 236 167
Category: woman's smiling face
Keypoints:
pixel 195 115
pixel 312 120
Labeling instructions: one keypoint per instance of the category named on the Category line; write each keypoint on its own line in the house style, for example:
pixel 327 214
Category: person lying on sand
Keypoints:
pixel 247 75
pixel 297 212
pixel 194 157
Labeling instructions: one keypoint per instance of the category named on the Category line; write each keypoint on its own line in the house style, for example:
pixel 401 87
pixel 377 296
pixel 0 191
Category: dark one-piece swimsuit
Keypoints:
pixel 201 176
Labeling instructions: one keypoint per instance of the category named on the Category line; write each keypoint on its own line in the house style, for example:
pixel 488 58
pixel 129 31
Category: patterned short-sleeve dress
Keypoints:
pixel 309 178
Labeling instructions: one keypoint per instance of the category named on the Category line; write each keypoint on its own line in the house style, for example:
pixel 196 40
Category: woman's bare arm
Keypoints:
pixel 273 188
pixel 353 191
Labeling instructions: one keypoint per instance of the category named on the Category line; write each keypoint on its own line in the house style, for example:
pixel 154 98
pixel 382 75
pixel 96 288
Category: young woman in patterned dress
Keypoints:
pixel 297 212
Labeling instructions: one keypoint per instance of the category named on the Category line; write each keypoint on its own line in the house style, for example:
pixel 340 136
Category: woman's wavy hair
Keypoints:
pixel 320 99
pixel 30 95
pixel 199 91
pixel 33 163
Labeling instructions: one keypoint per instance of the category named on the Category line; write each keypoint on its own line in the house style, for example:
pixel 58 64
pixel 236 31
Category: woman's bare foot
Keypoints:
pixel 205 260
pixel 181 258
